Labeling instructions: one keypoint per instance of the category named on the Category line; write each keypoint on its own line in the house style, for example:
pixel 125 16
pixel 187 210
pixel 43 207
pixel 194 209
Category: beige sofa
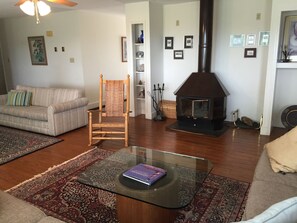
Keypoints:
pixel 275 188
pixel 14 210
pixel 53 111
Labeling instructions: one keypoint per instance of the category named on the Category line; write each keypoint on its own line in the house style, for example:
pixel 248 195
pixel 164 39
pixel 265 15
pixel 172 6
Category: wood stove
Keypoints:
pixel 201 99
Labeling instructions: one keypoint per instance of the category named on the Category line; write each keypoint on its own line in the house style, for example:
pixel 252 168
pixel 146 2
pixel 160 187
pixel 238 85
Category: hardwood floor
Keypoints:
pixel 233 154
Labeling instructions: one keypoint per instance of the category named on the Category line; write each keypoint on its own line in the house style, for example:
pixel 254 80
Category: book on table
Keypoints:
pixel 145 173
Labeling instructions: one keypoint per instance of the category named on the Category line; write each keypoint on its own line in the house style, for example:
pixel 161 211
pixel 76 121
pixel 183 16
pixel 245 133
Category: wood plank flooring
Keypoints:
pixel 233 154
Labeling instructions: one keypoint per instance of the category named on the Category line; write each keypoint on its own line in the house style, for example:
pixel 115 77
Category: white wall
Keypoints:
pixel 244 78
pixel 100 40
pixel 59 72
pixel 92 39
pixel 177 71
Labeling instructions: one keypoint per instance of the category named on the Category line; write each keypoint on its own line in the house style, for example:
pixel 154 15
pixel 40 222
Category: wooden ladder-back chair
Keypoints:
pixel 112 122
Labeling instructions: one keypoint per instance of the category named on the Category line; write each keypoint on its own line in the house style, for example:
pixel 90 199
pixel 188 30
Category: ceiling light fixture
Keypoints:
pixel 35 7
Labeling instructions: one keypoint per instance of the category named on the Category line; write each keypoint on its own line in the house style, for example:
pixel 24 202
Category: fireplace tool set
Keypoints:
pixel 157 98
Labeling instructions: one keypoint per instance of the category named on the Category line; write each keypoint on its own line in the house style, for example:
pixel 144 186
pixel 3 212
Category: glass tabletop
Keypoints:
pixel 185 175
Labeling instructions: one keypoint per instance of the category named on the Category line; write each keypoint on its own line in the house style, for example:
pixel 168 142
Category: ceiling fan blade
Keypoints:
pixel 20 2
pixel 63 2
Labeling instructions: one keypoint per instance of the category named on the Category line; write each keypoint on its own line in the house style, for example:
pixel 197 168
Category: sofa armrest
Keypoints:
pixel 66 106
pixel 64 117
pixel 3 99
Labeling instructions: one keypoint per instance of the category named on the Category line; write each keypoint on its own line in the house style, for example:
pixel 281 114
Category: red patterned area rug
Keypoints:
pixel 58 193
pixel 15 143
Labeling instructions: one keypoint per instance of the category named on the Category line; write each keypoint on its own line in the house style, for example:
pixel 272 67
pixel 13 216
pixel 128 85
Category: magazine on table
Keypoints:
pixel 145 173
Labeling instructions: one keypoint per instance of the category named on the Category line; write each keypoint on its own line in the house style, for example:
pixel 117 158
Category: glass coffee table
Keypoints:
pixel 138 202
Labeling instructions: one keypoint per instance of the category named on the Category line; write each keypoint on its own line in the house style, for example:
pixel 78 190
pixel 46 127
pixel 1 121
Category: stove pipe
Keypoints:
pixel 205 35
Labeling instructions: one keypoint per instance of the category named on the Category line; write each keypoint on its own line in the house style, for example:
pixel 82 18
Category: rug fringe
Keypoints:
pixel 49 169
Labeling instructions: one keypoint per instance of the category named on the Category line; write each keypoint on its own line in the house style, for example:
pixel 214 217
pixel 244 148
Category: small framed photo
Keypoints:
pixel 250 52
pixel 168 42
pixel 188 42
pixel 124 48
pixel 178 54
pixel 237 40
pixel 37 50
pixel 264 38
pixel 251 39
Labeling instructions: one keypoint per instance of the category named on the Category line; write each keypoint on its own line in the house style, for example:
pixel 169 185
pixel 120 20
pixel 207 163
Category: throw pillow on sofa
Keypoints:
pixel 19 98
pixel 282 152
pixel 282 212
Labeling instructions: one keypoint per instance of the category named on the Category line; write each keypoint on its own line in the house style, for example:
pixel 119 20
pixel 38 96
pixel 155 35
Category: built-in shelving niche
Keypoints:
pixel 288 40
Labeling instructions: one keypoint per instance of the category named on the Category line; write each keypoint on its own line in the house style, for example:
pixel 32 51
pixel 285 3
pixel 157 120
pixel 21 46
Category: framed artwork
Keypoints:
pixel 237 40
pixel 188 42
pixel 124 48
pixel 178 54
pixel 168 42
pixel 264 37
pixel 251 39
pixel 289 43
pixel 250 52
pixel 37 50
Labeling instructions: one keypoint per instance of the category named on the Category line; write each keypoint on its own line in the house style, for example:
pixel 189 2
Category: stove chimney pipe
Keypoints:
pixel 205 36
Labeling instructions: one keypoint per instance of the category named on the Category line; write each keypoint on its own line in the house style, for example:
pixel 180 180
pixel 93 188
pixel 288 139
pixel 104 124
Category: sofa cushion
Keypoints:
pixel 19 98
pixel 17 211
pixel 264 172
pixel 32 112
pixel 263 194
pixel 62 95
pixel 282 152
pixel 284 212
pixel 48 96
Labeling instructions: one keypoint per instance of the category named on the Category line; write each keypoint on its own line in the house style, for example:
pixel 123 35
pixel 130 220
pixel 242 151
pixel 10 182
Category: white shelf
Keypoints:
pixel 141 99
pixel 140 85
pixel 289 65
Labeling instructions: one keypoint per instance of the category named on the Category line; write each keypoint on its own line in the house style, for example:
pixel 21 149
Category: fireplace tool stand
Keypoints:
pixel 157 98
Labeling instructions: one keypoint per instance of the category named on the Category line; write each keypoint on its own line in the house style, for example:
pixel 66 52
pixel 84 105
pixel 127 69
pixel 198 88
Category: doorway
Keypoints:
pixel 3 89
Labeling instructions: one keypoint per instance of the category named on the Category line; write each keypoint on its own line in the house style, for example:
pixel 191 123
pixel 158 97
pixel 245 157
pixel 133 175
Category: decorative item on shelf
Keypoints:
pixel 141 37
pixel 286 54
pixel 141 94
pixel 139 54
pixel 140 82
pixel 140 68
pixel 157 98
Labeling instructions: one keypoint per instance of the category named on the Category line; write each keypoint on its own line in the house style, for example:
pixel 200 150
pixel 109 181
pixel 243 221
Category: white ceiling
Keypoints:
pixel 8 8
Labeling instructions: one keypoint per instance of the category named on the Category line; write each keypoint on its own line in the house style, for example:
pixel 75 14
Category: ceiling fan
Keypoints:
pixel 62 2
pixel 38 7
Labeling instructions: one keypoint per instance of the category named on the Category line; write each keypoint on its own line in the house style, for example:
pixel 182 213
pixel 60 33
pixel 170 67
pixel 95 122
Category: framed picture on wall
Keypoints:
pixel 178 54
pixel 168 42
pixel 37 50
pixel 264 38
pixel 237 40
pixel 188 42
pixel 251 39
pixel 124 48
pixel 250 52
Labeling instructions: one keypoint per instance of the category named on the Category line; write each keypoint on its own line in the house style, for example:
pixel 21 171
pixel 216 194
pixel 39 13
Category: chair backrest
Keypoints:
pixel 115 93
